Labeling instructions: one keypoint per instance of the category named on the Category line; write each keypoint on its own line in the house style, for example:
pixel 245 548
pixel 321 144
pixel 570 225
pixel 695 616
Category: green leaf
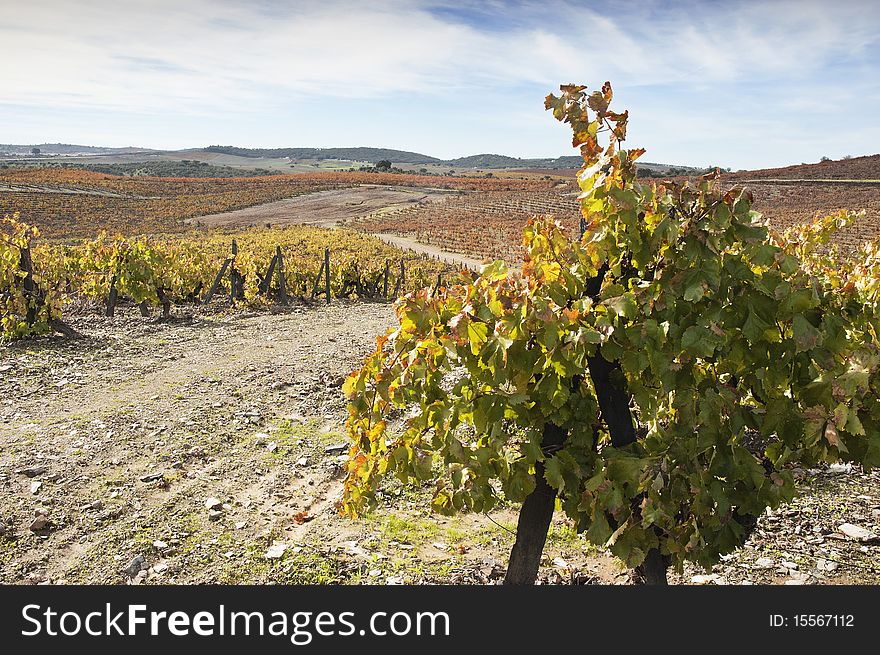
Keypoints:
pixel 599 531
pixel 699 341
pixel 477 333
pixel 753 329
pixel 497 270
pixel 624 305
pixel 553 474
pixel 805 335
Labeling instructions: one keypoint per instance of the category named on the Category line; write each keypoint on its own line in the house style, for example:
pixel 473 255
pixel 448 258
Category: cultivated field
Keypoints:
pixel 207 447
pixel 328 208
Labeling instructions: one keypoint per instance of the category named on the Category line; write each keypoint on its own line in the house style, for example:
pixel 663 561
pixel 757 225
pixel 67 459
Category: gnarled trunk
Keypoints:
pixel 534 518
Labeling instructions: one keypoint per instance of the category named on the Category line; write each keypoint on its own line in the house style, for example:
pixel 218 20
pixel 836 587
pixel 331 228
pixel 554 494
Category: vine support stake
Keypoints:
pixel 266 283
pixel 217 279
pixel 282 288
pixel 327 273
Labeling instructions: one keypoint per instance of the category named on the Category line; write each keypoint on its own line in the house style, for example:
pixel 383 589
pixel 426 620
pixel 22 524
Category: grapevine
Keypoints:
pixel 658 376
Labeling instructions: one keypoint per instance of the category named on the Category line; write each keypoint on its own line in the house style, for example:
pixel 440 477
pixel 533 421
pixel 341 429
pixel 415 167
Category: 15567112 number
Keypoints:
pixel 823 620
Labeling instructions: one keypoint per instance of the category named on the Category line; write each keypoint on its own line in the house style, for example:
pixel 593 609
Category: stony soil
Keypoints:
pixel 327 208
pixel 207 449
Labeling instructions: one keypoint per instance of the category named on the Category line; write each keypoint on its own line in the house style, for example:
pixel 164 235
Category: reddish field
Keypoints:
pixel 854 168
pixel 68 203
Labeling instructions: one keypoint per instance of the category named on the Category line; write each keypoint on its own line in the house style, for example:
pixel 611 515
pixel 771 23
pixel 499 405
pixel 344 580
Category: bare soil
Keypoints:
pixel 208 449
pixel 326 208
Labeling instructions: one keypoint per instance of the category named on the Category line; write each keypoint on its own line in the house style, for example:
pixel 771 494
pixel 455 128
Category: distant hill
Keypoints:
pixel 850 168
pixel 68 149
pixel 274 158
pixel 372 155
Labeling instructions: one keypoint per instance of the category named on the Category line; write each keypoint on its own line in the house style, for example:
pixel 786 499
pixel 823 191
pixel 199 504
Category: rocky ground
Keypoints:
pixel 207 448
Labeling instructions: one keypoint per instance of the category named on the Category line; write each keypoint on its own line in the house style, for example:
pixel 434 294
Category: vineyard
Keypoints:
pixel 68 204
pixel 251 267
pixel 663 375
pixel 485 225
pixel 489 224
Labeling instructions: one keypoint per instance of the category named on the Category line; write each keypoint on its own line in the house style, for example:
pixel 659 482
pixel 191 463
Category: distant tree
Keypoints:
pixel 847 156
pixel 35 151
pixel 383 165
pixel 423 170
pixel 825 159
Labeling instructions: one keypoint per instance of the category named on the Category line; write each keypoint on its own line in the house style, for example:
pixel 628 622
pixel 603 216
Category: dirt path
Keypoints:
pixel 209 449
pixel 326 208
pixel 39 188
pixel 130 432
pixel 411 244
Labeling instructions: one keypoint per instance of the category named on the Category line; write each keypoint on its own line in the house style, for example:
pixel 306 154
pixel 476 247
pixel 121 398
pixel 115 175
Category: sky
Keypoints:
pixel 736 84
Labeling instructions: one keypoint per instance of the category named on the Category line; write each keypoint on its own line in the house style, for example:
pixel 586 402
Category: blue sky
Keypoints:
pixel 738 84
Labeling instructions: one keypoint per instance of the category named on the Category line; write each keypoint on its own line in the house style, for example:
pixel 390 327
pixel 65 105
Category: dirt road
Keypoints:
pixel 209 449
pixel 326 208
pixel 183 451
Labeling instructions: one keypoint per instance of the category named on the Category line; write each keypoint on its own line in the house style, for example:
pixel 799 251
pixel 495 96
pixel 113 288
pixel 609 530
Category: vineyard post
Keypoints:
pixel 267 281
pixel 217 279
pixel 398 286
pixel 233 275
pixel 385 281
pixel 327 273
pixel 282 288
pixel 145 310
pixel 317 281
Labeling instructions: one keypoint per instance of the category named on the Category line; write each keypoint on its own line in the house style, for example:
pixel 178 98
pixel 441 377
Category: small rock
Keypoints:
pixel 160 545
pixel 161 567
pixel 135 566
pixel 40 522
pixel 336 449
pixel 152 477
pixel 764 563
pixel 826 565
pixel 96 505
pixel 272 446
pixel 391 580
pixel 302 461
pixel 213 503
pixel 215 514
pixel 790 565
pixel 375 573
pixel 35 486
pixel 32 471
pixel 276 551
pixel 705 579
pixel 240 524
pixel 840 469
pixel 858 533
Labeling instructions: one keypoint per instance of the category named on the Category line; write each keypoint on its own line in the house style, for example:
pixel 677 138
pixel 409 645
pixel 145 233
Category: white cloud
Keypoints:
pixel 255 58
pixel 192 56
